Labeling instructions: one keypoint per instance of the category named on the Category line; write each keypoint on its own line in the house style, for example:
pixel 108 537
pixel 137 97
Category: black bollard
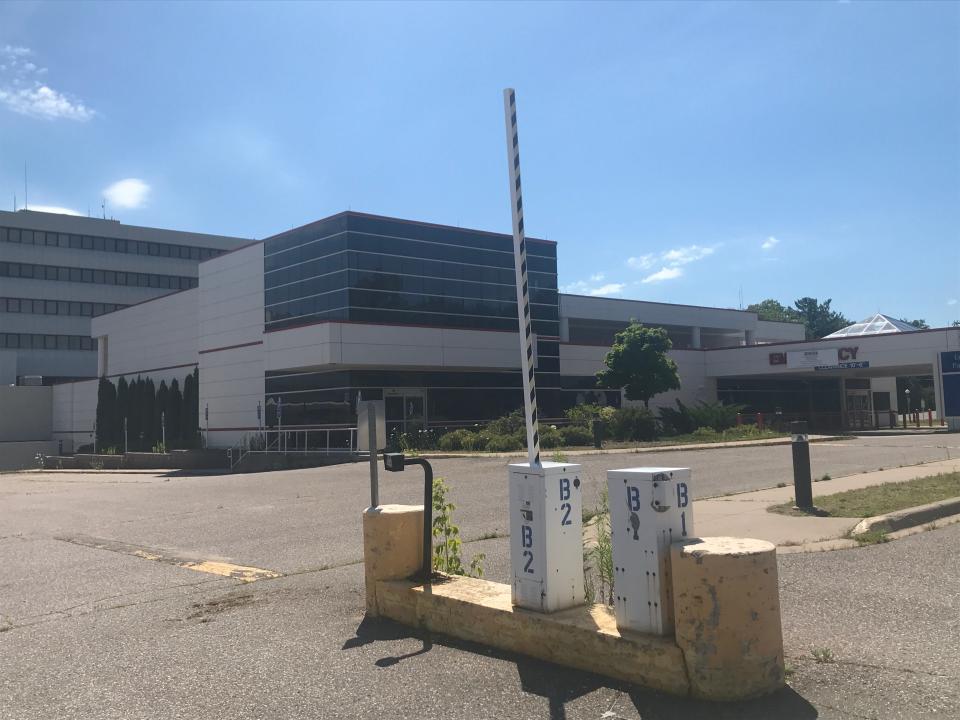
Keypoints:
pixel 802 484
pixel 597 427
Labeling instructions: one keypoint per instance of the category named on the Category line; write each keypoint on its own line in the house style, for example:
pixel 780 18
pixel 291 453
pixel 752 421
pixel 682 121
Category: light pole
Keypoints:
pixel 907 393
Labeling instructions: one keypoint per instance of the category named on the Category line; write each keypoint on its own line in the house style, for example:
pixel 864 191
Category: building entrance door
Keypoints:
pixel 406 410
pixel 859 412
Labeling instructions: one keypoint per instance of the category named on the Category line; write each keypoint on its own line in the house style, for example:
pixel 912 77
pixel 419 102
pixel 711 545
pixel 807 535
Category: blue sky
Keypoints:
pixel 677 152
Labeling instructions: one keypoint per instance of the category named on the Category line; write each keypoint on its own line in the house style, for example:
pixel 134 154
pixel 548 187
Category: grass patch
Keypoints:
pixel 882 499
pixel 874 537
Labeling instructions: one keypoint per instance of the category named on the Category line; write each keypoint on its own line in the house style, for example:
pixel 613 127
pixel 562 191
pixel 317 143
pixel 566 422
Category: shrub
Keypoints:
pixel 584 414
pixel 457 440
pixel 508 424
pixel 446 537
pixel 503 443
pixel 576 435
pixel 685 419
pixel 550 437
pixel 705 433
pixel 633 423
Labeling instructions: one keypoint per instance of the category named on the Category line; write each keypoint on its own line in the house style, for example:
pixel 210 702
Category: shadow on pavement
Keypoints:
pixel 560 685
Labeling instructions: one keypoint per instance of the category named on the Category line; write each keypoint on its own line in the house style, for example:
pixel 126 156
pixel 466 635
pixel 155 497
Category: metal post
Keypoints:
pixel 126 445
pixel 372 437
pixel 163 429
pixel 94 437
pixel 426 568
pixel 802 484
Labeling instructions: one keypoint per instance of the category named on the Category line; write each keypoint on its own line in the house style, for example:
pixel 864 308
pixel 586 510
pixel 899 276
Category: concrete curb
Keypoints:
pixel 768 442
pixel 909 517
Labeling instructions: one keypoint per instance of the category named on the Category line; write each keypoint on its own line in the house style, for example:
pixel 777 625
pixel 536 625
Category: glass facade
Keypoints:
pixel 106 244
pixel 361 268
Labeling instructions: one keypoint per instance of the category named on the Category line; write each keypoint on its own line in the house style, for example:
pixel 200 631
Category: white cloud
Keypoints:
pixel 582 287
pixel 684 255
pixel 53 209
pixel 127 193
pixel 642 262
pixel 667 273
pixel 45 102
pixel 952 301
pixel 23 93
pixel 770 243
pixel 608 289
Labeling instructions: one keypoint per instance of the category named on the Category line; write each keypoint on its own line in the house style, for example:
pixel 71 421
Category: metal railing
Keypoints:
pixel 316 440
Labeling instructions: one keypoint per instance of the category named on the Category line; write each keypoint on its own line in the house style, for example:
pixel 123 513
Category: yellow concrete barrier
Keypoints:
pixel 727 614
pixel 392 546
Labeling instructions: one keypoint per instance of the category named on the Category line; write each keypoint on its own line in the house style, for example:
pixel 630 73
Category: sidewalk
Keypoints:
pixel 746 515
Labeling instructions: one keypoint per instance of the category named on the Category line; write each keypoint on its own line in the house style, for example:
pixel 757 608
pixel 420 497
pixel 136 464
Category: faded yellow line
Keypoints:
pixel 243 573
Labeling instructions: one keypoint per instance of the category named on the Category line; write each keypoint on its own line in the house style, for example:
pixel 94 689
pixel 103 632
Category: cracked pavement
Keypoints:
pixel 90 633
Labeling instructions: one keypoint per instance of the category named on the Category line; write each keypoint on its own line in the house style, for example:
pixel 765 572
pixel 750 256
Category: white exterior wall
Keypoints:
pixel 74 413
pixel 25 413
pixel 770 332
pixel 585 360
pixel 652 313
pixel 156 339
pixel 231 346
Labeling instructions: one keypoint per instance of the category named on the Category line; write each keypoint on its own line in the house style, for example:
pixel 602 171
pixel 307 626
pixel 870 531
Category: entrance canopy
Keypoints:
pixel 876 325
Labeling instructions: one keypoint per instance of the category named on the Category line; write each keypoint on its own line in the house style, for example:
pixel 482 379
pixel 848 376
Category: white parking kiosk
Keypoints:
pixel 650 508
pixel 546 536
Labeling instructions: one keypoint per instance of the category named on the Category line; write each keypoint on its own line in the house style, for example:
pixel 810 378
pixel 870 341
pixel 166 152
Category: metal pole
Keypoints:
pixel 426 567
pixel 372 436
pixel 802 487
pixel 520 271
pixel 126 445
pixel 163 429
pixel 94 433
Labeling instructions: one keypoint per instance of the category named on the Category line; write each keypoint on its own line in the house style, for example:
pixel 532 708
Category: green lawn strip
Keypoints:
pixel 882 499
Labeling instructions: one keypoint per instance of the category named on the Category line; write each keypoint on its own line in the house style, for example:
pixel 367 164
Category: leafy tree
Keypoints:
pixel 174 413
pixel 955 323
pixel 818 317
pixel 107 414
pixel 638 363
pixel 122 407
pixel 772 310
pixel 919 324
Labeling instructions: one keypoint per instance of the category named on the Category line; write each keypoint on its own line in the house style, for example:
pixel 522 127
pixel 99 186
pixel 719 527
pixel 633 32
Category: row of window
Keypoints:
pixel 33 341
pixel 100 277
pixel 325 230
pixel 106 244
pixel 393 302
pixel 56 307
pixel 543 274
pixel 276 320
pixel 386 282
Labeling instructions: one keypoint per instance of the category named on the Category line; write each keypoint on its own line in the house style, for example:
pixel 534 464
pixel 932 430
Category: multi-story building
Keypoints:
pixel 59 271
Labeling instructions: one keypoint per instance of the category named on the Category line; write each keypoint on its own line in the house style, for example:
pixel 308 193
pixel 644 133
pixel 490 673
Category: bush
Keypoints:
pixel 504 443
pixel 457 440
pixel 633 423
pixel 550 437
pixel 685 419
pixel 508 424
pixel 576 435
pixel 705 433
pixel 584 414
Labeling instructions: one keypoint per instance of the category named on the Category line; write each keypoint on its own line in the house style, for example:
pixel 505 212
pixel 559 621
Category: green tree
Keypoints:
pixel 107 414
pixel 818 317
pixel 772 310
pixel 919 324
pixel 123 410
pixel 955 323
pixel 638 363
pixel 174 414
pixel 162 409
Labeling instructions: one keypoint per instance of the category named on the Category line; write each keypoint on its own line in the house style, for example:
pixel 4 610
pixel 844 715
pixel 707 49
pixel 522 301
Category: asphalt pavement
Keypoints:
pixel 98 632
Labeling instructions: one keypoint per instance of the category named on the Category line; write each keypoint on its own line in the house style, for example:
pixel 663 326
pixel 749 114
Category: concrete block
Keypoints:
pixel 392 547
pixel 584 637
pixel 727 614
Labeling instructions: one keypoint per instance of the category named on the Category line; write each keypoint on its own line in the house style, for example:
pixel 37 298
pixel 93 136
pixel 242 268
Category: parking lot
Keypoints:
pixel 102 617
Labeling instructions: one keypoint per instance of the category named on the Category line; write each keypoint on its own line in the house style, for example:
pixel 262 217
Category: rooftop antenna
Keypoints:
pixel 741 297
pixel 14 202
pixel 103 207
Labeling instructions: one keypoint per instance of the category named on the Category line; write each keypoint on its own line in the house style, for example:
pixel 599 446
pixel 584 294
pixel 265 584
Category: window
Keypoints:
pixel 87 275
pixel 50 307
pixel 76 308
pixel 52 239
pixel 87 242
pixel 51 272
pixel 75 275
pixel 97 309
pixel 98 243
pixel 13 305
pixel 63 274
pixel 63 307
pixel 62 342
pixel 76 242
pixel 37 307
pixel 98 277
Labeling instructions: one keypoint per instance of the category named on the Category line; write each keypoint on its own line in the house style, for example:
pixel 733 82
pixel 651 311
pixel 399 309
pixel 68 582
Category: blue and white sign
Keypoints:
pixel 845 366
